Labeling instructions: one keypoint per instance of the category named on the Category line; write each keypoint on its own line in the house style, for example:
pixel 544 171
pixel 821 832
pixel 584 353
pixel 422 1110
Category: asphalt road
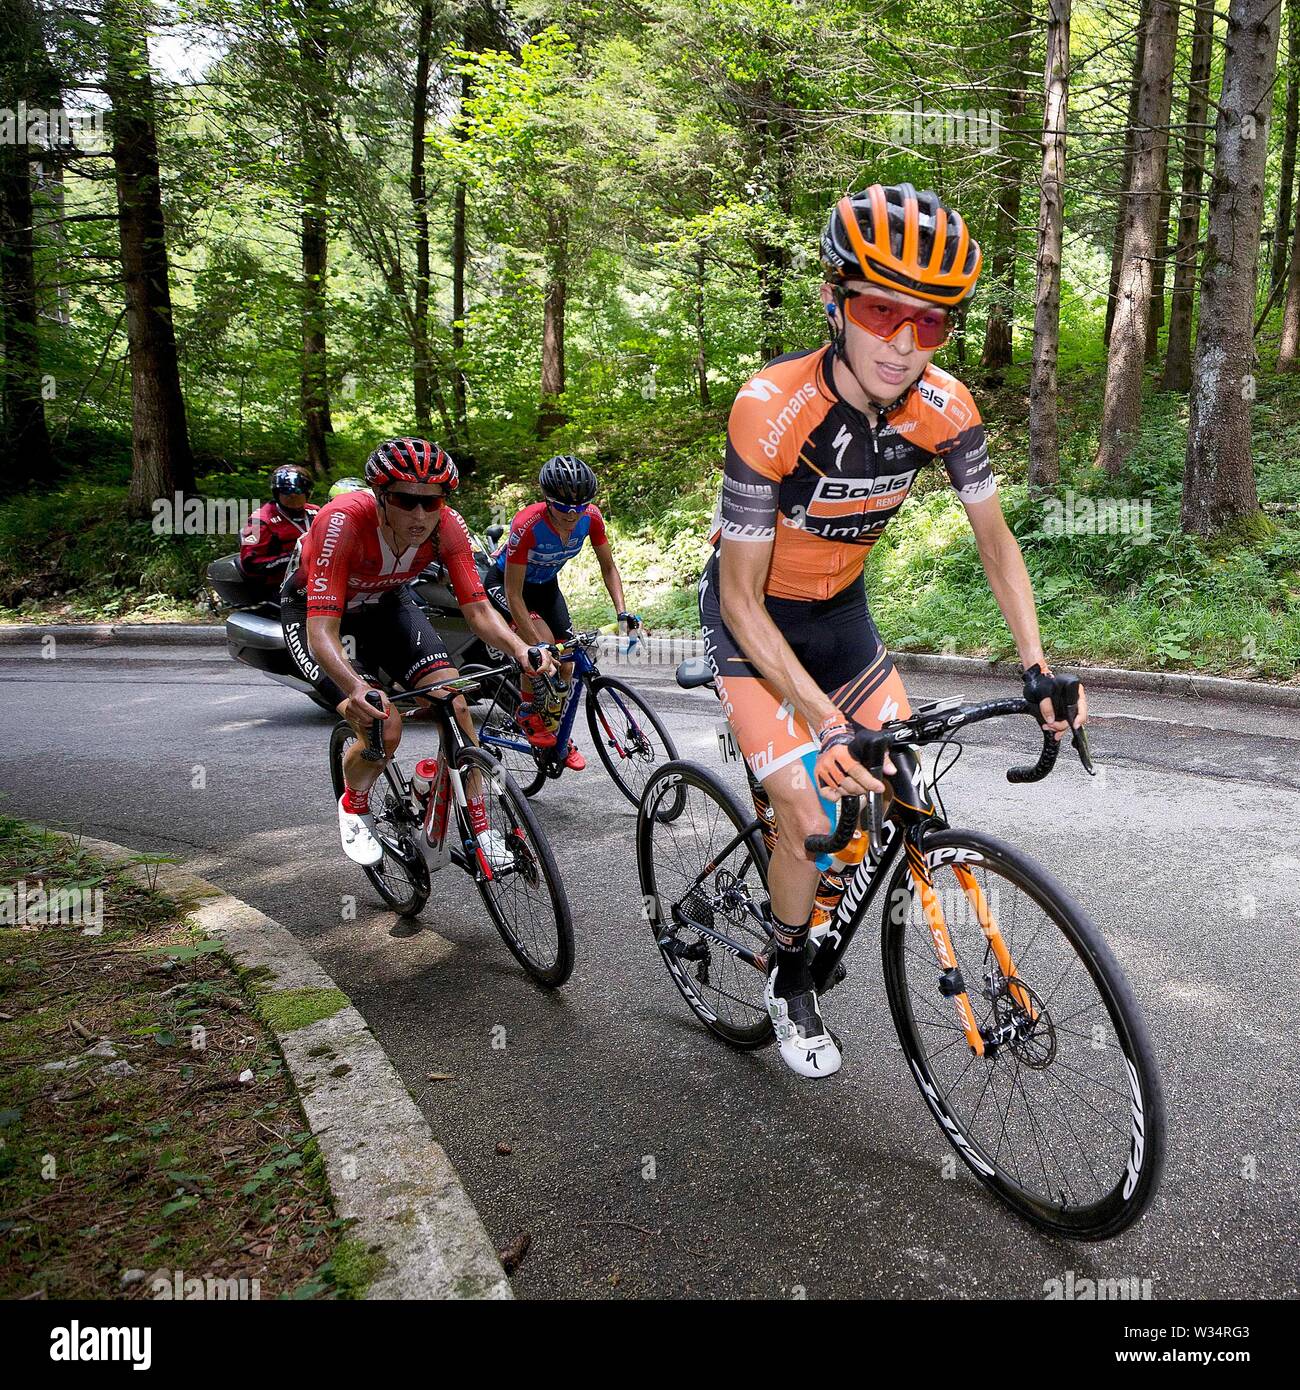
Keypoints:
pixel 649 1160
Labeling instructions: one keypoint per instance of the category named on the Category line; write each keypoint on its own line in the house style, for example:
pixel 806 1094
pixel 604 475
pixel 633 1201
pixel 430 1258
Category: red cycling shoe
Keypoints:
pixel 533 727
pixel 573 759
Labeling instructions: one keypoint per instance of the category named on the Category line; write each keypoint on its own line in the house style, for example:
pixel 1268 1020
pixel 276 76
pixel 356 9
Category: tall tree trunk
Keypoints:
pixel 1122 406
pixel 423 366
pixel 701 345
pixel 1178 351
pixel 1044 436
pixel 459 250
pixel 551 415
pixel 1156 304
pixel 24 76
pixel 997 332
pixel 1288 352
pixel 161 462
pixel 313 48
pixel 1126 176
pixel 1286 189
pixel 1219 483
pixel 775 155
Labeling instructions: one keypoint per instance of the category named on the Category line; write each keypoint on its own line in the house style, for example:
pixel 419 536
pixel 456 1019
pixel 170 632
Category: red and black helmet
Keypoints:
pixel 891 235
pixel 410 461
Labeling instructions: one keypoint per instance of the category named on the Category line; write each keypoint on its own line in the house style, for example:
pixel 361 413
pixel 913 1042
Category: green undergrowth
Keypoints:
pixel 149 1125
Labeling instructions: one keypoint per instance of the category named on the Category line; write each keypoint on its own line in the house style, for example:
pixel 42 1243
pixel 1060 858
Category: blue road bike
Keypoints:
pixel 628 735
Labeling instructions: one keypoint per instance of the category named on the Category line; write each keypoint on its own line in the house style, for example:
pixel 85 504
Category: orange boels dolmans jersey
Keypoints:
pixel 805 472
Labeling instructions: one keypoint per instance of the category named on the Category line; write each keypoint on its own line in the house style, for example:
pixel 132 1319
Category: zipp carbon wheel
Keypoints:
pixel 527 901
pixel 1063 1117
pixel 629 736
pixel 401 878
pixel 672 850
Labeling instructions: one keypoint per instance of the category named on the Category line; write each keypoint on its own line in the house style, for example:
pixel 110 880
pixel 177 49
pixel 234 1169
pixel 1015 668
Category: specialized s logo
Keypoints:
pixel 840 443
pixel 759 389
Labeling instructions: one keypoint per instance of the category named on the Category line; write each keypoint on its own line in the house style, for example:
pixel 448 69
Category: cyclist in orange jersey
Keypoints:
pixel 822 449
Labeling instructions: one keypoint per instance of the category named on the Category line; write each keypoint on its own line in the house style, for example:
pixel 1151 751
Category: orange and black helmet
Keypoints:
pixel 891 235
pixel 410 461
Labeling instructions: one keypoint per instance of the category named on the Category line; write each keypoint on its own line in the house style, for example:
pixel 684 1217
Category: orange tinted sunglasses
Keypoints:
pixel 885 318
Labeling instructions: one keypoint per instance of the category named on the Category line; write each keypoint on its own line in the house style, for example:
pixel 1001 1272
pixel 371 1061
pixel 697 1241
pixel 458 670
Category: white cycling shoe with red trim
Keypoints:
pixel 356 830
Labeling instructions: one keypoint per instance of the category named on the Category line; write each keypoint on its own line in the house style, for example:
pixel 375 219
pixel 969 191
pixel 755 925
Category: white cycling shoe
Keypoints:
pixel 806 1046
pixel 356 832
pixel 495 850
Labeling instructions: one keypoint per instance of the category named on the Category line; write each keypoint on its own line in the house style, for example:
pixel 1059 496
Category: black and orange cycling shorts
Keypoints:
pixel 834 640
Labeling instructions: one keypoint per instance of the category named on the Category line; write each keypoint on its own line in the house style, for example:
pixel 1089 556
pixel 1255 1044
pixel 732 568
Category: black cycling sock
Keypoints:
pixel 792 973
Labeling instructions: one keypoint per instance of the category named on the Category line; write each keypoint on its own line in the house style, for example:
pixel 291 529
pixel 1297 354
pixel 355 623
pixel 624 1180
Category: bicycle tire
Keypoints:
pixel 1123 1203
pixel 534 856
pixel 414 870
pixel 675 781
pixel 600 737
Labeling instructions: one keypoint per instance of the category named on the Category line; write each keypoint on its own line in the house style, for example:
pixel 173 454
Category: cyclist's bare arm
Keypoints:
pixel 488 624
pixel 609 573
pixel 742 574
pixel 521 617
pixel 1009 580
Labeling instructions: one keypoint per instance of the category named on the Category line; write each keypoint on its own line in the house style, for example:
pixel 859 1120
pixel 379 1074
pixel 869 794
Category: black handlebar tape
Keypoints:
pixel 842 833
pixel 1046 762
pixel 373 752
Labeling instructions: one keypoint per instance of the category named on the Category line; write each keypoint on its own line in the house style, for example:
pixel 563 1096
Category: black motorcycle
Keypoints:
pixel 255 638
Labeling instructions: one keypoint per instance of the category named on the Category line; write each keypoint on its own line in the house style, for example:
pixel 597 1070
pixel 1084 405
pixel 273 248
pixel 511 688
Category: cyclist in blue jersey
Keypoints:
pixel 523 581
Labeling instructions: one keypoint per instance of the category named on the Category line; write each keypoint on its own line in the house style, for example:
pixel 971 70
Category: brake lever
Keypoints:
pixel 1069 711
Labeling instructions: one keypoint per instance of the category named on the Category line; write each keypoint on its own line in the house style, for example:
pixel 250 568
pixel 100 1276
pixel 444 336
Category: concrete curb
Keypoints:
pixel 385 1168
pixel 168 634
pixel 661 651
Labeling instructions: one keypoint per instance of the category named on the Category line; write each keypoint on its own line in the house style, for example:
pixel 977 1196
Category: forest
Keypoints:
pixel 241 233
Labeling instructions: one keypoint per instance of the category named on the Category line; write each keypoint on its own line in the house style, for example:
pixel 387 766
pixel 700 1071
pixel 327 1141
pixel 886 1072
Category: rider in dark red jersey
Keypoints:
pixel 267 543
pixel 350 577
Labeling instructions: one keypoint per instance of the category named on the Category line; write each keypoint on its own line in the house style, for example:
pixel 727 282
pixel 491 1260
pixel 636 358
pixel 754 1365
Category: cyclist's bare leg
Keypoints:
pixel 544 636
pixel 359 772
pixel 792 876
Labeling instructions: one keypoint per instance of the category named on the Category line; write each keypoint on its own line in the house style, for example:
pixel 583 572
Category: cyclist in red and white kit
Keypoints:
pixel 350 577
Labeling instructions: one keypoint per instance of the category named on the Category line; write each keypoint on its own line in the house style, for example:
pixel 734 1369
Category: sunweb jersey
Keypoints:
pixel 806 472
pixel 533 542
pixel 344 561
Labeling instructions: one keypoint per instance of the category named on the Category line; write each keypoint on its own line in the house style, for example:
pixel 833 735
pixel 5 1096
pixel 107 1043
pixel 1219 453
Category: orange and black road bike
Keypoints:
pixel 1015 1019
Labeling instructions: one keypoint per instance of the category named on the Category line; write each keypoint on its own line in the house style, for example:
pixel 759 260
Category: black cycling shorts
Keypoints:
pixel 544 600
pixel 392 635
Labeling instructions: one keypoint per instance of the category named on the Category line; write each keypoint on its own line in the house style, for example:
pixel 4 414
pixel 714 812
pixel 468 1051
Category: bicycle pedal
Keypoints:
pixel 836 976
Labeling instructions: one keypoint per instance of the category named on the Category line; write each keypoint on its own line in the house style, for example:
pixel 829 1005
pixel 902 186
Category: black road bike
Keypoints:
pixel 1016 1021
pixel 421 831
